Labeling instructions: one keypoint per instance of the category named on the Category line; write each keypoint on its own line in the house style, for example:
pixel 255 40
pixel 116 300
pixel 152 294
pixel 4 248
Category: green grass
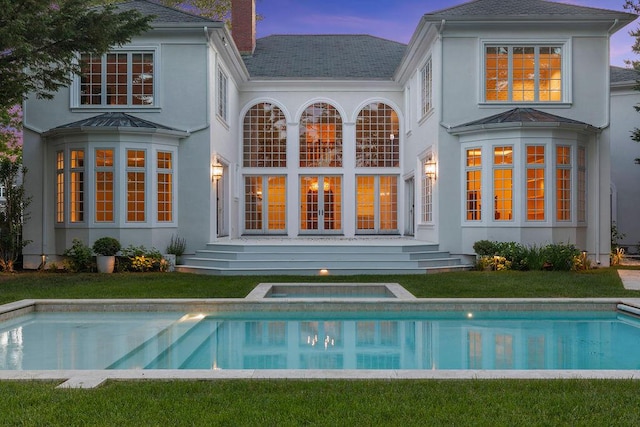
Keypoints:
pixel 326 403
pixel 321 402
pixel 470 284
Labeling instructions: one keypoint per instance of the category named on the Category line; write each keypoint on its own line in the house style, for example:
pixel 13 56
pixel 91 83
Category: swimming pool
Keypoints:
pixel 228 335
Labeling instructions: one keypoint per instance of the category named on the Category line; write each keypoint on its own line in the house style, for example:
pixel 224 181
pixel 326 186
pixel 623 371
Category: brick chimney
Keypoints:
pixel 243 25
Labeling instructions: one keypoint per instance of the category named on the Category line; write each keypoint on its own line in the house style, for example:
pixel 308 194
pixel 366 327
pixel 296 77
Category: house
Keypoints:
pixel 625 154
pixel 492 123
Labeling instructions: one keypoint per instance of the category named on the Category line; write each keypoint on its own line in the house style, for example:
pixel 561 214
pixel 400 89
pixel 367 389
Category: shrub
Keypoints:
pixel 560 257
pixel 79 257
pixel 139 258
pixel 485 248
pixel 107 246
pixel 515 253
pixel 534 258
pixel 512 255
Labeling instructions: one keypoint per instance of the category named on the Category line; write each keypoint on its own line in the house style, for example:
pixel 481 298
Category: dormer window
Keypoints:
pixel 523 73
pixel 117 78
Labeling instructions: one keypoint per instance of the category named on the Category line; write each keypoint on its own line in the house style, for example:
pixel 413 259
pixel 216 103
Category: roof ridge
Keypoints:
pixel 168 8
pixel 527 8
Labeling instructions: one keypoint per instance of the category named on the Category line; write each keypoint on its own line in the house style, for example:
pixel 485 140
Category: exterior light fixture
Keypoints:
pixel 430 169
pixel 216 172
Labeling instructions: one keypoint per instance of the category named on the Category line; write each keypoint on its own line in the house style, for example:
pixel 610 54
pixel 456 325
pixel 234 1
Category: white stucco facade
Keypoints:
pixel 197 66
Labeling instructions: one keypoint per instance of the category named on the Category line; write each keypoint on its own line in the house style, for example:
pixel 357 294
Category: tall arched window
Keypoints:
pixel 321 136
pixel 377 142
pixel 265 137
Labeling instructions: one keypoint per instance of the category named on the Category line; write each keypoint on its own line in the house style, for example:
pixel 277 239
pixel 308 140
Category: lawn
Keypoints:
pixel 321 402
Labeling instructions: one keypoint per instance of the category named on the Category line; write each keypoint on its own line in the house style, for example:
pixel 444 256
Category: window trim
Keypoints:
pixel 566 69
pixel 427 188
pixel 426 91
pixel 495 219
pixel 473 168
pixel 222 95
pixel 76 86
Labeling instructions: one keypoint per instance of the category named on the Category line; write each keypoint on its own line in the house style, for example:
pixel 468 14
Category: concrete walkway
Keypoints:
pixel 630 279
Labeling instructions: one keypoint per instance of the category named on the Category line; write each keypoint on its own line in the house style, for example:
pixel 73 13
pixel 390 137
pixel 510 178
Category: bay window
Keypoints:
pixel 535 182
pixel 473 184
pixel 76 192
pixel 503 183
pixel 104 185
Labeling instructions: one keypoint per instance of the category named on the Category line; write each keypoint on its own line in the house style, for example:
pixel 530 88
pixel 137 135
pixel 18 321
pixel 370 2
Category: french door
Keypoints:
pixel 265 206
pixel 377 204
pixel 321 204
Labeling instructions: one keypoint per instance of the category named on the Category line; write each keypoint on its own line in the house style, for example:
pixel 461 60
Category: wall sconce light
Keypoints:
pixel 430 169
pixel 216 172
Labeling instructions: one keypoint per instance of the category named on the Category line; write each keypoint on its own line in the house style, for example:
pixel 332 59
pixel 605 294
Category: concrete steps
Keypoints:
pixel 317 256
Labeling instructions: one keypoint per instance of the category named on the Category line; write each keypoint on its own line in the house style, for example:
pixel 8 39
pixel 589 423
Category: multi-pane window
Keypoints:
pixel 563 183
pixel 535 182
pixel 136 185
pixel 582 184
pixel 473 172
pixel 377 142
pixel 60 186
pixel 104 185
pixel 426 80
pixel 523 73
pixel 427 192
pixel 117 78
pixel 503 183
pixel 223 99
pixel 165 186
pixel 321 136
pixel 265 137
pixel 76 184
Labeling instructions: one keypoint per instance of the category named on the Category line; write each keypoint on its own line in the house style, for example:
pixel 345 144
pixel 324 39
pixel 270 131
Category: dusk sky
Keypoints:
pixel 390 19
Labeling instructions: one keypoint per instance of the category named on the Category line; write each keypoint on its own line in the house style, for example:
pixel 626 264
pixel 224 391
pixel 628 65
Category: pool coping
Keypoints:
pixel 358 291
pixel 94 378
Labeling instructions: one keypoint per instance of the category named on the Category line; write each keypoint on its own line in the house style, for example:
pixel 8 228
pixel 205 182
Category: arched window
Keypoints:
pixel 377 142
pixel 265 137
pixel 321 136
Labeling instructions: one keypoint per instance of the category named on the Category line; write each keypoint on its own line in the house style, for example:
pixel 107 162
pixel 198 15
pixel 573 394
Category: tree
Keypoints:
pixel 634 7
pixel 13 213
pixel 39 40
pixel 219 10
pixel 10 126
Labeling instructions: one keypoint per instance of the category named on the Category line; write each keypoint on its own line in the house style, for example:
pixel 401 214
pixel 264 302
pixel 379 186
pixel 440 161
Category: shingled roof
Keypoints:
pixel 623 75
pixel 522 117
pixel 500 9
pixel 162 14
pixel 324 57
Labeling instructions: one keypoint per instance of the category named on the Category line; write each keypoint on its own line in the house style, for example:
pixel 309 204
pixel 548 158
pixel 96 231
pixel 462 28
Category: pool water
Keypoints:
pixel 320 340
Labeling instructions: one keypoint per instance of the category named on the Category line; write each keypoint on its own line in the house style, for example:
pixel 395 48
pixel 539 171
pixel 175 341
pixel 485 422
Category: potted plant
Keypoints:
pixel 175 249
pixel 106 249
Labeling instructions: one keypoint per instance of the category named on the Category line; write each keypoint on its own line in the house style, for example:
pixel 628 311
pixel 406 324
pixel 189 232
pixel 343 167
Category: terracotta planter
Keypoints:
pixel 105 263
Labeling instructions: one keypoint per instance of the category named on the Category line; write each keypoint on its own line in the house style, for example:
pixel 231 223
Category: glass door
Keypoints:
pixel 321 204
pixel 377 204
pixel 265 204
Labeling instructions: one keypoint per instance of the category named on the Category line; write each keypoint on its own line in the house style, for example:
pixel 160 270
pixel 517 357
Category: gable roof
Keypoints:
pixel 162 14
pixel 324 57
pixel 537 9
pixel 521 117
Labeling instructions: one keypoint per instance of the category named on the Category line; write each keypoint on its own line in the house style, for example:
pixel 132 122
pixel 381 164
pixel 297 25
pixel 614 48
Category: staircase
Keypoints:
pixel 312 257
